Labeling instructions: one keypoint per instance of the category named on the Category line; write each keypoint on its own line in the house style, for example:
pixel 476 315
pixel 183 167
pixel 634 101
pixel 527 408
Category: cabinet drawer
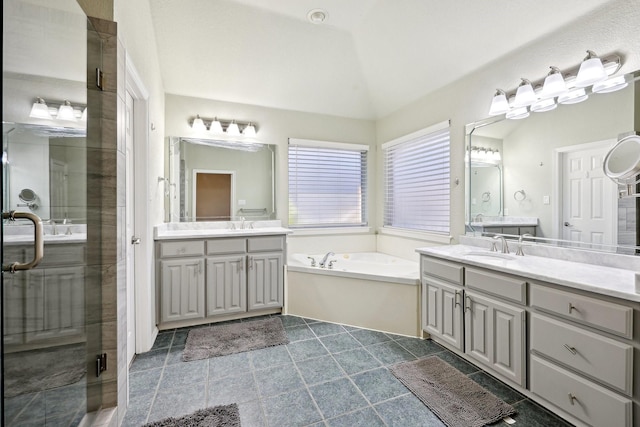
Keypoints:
pixel 607 316
pixel 445 270
pixel 226 246
pixel 511 288
pixel 599 357
pixel 587 401
pixel 261 244
pixel 184 248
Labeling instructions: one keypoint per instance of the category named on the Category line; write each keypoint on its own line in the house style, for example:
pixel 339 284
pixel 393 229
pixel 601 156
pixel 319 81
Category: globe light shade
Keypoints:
pixel 499 104
pixel 525 95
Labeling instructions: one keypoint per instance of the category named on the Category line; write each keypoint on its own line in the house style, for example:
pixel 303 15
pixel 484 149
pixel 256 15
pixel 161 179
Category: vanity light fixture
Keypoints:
pixel 83 116
pixel 543 105
pixel 574 96
pixel 40 110
pixel 499 104
pixel 554 84
pixel 591 70
pixel 57 110
pixel 224 127
pixel 65 112
pixel 525 94
pixel 485 155
pixel 611 85
pixel 518 113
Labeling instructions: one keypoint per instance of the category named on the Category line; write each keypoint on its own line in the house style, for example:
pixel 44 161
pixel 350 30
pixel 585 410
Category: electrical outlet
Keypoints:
pixel 546 200
pixel 242 202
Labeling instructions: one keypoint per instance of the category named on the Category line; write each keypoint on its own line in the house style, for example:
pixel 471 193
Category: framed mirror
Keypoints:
pixel 219 180
pixel 553 176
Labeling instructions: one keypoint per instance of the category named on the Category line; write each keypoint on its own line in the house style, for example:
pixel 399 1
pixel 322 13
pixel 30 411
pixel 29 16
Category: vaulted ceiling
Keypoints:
pixel 366 60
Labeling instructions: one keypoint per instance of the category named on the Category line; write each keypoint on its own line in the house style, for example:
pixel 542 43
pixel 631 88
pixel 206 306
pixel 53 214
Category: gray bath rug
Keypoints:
pixel 455 398
pixel 220 340
pixel 219 416
pixel 43 369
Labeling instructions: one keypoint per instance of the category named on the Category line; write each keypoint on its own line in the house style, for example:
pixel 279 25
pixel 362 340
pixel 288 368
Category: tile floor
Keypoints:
pixel 329 375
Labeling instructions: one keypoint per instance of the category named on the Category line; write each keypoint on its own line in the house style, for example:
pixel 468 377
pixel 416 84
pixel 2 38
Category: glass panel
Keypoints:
pixel 46 364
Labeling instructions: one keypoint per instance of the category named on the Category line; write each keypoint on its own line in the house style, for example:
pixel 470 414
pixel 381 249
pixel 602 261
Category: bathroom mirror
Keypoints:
pixel 622 162
pixel 556 159
pixel 219 180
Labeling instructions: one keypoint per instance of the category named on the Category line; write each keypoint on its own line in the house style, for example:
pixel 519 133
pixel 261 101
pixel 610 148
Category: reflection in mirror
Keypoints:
pixel 555 159
pixel 622 165
pixel 219 180
pixel 46 171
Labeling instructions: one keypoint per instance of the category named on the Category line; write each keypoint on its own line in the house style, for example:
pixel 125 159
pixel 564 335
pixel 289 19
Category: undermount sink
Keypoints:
pixel 494 255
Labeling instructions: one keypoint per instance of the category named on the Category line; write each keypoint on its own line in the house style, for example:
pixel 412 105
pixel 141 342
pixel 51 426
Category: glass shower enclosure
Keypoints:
pixel 48 342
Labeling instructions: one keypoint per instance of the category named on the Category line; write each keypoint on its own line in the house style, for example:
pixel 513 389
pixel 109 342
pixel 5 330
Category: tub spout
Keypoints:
pixel 323 262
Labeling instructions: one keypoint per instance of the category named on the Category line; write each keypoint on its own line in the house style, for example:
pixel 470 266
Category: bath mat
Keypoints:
pixel 220 340
pixel 455 398
pixel 43 369
pixel 218 416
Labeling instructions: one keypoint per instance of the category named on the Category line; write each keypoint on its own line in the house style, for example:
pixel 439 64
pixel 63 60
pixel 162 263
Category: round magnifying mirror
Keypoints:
pixel 622 162
pixel 27 195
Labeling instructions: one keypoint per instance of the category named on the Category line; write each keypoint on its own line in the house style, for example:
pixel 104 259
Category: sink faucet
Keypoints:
pixel 520 239
pixel 478 218
pixel 505 247
pixel 54 228
pixel 242 223
pixel 324 259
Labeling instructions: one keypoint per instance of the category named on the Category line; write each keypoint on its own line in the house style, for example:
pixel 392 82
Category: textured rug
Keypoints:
pixel 220 340
pixel 44 369
pixel 455 398
pixel 219 416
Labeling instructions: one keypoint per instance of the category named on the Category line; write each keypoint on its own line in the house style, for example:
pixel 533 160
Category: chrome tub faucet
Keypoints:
pixel 323 261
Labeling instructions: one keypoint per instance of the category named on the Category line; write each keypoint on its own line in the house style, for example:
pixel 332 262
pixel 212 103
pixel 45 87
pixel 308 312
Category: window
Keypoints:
pixel 416 180
pixel 327 184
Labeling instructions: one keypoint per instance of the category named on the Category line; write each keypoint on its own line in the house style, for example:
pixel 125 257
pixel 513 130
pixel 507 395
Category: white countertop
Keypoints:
pixel 616 282
pixel 506 221
pixel 195 230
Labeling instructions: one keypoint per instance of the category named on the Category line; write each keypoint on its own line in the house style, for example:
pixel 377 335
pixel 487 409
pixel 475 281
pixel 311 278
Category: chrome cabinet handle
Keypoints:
pixel 250 263
pixel 572 307
pixel 571 349
pixel 135 240
pixel 457 303
pixel 467 305
pixel 573 398
pixel 38 241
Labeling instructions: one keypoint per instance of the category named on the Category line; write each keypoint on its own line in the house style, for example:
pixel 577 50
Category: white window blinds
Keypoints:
pixel 327 184
pixel 416 180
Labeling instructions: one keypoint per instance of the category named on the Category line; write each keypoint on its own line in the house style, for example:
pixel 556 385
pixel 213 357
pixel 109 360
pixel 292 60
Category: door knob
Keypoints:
pixel 135 240
pixel 567 224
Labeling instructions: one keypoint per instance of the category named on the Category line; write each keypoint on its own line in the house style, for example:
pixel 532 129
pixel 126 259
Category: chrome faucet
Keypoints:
pixel 478 218
pixel 520 252
pixel 54 228
pixel 241 223
pixel 505 247
pixel 324 259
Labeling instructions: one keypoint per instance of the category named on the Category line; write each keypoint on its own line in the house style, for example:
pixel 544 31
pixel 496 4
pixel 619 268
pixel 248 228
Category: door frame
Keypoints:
pixel 145 328
pixel 556 190
pixel 232 201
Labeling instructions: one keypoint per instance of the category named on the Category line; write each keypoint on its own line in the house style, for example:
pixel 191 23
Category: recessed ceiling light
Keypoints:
pixel 317 16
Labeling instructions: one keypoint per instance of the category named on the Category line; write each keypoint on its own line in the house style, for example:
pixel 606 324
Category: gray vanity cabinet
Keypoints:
pixel 226 285
pixel 265 279
pixel 182 292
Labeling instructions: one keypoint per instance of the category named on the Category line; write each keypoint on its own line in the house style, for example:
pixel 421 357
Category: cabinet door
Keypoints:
pixel 182 295
pixel 495 335
pixel 13 299
pixel 54 303
pixel 443 317
pixel 226 285
pixel 265 281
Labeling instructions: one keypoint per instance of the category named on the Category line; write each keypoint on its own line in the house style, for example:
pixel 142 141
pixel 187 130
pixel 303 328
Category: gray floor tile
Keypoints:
pixel 279 379
pixel 319 370
pixel 457 362
pixel 390 353
pixel 358 360
pixel 13 405
pixel 149 360
pixel 310 321
pixel 233 389
pixel 340 342
pixel 299 333
pixel 65 400
pixel 337 397
pixel 322 329
pixel 367 337
pixel 163 340
pixel 498 388
pixel 232 364
pixel 137 411
pixel 179 401
pixel 270 356
pixel 407 411
pixel 290 321
pixel 251 414
pixel 184 374
pixel 175 355
pixel 379 385
pixel 35 410
pixel 301 350
pixel 180 338
pixel 144 383
pixel 292 409
pixel 530 414
pixel 364 418
pixel 419 347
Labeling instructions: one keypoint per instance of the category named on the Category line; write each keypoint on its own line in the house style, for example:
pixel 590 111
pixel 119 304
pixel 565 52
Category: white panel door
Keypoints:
pixel 589 198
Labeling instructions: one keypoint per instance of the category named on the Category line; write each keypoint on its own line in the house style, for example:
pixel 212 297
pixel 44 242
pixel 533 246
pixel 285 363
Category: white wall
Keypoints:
pixel 608 30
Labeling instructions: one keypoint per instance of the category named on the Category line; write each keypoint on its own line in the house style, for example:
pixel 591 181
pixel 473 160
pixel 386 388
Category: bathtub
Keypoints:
pixel 364 289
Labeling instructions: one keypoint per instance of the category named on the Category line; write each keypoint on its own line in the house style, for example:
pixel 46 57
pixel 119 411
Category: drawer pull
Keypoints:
pixel 572 398
pixel 467 305
pixel 456 298
pixel 572 350
pixel 572 307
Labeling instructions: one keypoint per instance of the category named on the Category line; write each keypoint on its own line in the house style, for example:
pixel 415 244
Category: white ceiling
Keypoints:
pixel 368 59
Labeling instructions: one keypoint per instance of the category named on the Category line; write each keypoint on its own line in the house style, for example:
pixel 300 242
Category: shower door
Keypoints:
pixel 48 351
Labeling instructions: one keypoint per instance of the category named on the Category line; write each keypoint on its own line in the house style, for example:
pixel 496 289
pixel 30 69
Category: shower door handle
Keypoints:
pixel 38 241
